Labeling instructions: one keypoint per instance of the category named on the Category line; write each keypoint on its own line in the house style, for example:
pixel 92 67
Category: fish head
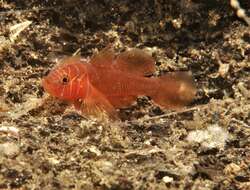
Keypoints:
pixel 67 81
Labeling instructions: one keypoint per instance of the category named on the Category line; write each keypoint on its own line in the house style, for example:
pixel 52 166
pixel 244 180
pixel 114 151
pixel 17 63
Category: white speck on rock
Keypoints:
pixel 167 179
pixel 9 149
pixel 212 137
pixel 95 150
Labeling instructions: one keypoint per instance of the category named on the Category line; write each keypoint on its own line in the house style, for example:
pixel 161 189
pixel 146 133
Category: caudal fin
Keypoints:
pixel 174 90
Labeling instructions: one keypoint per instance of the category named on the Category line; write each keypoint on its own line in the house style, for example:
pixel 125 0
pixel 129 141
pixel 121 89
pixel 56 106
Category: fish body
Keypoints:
pixel 110 81
pixel 118 85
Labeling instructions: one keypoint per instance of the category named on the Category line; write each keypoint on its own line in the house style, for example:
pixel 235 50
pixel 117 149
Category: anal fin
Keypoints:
pixel 122 102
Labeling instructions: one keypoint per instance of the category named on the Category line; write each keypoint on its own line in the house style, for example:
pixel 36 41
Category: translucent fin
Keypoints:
pixel 104 58
pixel 78 104
pixel 122 102
pixel 174 90
pixel 135 61
pixel 70 60
pixel 96 104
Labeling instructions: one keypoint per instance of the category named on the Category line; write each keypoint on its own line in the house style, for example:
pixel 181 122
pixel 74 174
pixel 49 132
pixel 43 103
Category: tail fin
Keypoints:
pixel 174 90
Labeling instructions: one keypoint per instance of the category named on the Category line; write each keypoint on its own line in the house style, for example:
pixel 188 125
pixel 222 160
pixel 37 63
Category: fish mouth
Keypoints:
pixel 50 87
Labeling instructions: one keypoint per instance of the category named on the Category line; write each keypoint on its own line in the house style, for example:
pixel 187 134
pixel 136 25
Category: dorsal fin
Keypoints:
pixel 135 61
pixel 70 60
pixel 104 58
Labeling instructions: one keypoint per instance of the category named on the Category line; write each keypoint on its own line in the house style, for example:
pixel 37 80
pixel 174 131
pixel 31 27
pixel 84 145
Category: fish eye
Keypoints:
pixel 65 80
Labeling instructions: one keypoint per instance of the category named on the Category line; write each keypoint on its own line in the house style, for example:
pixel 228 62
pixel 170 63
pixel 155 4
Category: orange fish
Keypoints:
pixel 108 81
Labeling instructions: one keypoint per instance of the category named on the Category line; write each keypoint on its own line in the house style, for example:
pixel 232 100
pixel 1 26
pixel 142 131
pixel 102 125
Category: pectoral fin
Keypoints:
pixel 135 61
pixel 96 104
